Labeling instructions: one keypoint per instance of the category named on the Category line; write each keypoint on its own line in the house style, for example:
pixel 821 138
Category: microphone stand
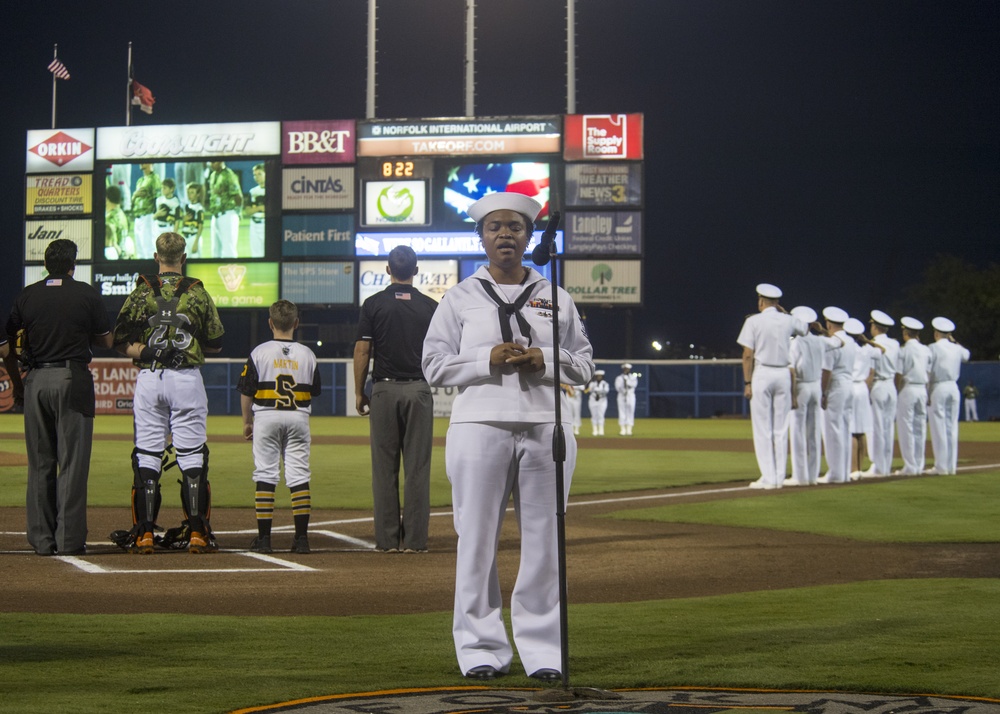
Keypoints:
pixel 559 457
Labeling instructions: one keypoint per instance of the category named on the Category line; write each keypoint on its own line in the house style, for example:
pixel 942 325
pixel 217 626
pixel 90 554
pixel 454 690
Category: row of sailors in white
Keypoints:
pixel 847 391
pixel 598 389
pixel 868 389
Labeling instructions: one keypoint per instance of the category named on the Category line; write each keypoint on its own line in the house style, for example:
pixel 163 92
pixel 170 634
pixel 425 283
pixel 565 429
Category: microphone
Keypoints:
pixel 540 254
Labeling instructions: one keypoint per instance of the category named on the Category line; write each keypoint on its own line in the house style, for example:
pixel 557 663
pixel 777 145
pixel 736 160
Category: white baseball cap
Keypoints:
pixel 882 319
pixel 769 291
pixel 504 200
pixel 943 324
pixel 854 326
pixel 835 314
pixel 911 323
pixel 806 314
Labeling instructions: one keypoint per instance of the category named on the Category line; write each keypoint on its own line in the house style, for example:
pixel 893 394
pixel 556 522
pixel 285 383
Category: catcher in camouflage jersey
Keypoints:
pixel 166 326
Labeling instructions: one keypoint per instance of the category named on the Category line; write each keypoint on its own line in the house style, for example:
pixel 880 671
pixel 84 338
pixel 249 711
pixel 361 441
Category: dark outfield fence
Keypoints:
pixel 680 389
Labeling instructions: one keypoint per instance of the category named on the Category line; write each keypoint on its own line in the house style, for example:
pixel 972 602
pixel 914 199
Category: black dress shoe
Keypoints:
pixel 483 671
pixel 546 675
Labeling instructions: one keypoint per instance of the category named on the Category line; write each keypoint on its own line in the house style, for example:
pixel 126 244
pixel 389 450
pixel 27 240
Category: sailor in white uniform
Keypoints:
pixel 912 373
pixel 883 396
pixel 862 377
pixel 838 365
pixel 765 340
pixel 947 357
pixel 598 390
pixel 491 337
pixel 625 386
pixel 806 425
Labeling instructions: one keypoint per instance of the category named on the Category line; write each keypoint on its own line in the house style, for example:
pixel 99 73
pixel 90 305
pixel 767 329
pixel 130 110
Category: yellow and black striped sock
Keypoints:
pixel 301 508
pixel 264 504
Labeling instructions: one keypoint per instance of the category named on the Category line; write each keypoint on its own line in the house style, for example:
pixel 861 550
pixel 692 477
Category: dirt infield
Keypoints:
pixel 608 560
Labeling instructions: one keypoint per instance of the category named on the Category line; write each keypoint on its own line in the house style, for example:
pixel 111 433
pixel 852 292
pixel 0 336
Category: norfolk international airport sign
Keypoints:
pixel 460 136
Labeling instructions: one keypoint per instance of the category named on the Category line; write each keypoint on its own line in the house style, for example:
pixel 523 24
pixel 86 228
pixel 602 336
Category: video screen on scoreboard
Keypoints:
pixel 222 208
pixel 238 285
pixel 462 183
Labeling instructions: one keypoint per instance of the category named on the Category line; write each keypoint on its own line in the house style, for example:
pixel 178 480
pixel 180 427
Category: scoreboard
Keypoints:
pixel 308 210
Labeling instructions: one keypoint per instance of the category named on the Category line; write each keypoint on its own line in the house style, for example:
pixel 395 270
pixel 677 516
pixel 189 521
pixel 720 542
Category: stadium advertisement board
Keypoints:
pixel 244 285
pixel 603 185
pixel 317 235
pixel 607 282
pixel 604 232
pixel 596 137
pixel 34 273
pixel 59 150
pixel 313 189
pixel 180 141
pixel 318 283
pixel 433 278
pixel 460 137
pixel 38 235
pixel 317 142
pixel 67 194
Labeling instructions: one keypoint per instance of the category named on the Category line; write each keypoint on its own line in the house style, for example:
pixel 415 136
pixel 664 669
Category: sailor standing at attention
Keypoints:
pixel 768 382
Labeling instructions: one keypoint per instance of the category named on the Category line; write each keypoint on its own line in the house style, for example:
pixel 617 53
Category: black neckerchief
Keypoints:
pixel 506 309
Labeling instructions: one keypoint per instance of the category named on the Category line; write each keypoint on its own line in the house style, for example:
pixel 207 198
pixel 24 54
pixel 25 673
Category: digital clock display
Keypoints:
pixel 397 169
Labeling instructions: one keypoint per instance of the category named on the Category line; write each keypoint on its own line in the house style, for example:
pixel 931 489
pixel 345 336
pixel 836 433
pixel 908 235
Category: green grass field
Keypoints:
pixel 904 636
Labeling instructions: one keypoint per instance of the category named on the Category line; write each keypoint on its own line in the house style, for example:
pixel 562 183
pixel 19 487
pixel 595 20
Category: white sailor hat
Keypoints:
pixel 882 319
pixel 943 324
pixel 806 314
pixel 626 365
pixel 769 291
pixel 835 314
pixel 598 371
pixel 854 326
pixel 911 323
pixel 504 200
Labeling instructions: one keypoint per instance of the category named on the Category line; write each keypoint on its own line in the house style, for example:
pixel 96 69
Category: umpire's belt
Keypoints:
pixel 393 379
pixel 65 364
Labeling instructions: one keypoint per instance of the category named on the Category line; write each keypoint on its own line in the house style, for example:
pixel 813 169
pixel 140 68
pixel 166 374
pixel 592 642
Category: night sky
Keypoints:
pixel 833 148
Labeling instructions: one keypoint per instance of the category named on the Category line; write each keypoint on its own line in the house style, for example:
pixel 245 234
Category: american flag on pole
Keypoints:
pixel 58 69
pixel 468 183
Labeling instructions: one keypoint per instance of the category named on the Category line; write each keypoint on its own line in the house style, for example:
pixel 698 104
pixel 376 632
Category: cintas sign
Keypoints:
pixel 51 150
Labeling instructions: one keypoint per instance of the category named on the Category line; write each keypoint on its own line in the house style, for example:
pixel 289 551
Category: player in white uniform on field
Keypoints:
pixel 598 390
pixel 883 396
pixel 912 373
pixel 255 211
pixel 276 390
pixel 806 424
pixel 625 386
pixel 491 337
pixel 836 383
pixel 765 339
pixel 947 357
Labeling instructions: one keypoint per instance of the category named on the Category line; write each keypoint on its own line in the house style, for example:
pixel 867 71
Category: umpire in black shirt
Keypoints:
pixel 61 319
pixel 393 324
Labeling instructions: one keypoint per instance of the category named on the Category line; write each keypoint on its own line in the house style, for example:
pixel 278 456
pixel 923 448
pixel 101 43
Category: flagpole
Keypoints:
pixel 55 55
pixel 128 89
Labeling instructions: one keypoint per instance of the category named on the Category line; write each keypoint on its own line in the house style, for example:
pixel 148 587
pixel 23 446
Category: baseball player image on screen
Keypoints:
pixel 276 390
pixel 167 325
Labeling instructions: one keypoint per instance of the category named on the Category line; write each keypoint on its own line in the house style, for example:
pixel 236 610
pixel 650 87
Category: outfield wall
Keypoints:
pixel 676 389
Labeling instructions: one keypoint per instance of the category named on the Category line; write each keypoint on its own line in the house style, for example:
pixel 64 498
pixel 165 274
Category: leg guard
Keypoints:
pixel 145 493
pixel 196 493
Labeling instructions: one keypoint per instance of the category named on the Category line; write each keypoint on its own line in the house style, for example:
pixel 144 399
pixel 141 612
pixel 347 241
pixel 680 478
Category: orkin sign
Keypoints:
pixel 317 142
pixel 182 141
pixel 51 150
pixel 454 137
